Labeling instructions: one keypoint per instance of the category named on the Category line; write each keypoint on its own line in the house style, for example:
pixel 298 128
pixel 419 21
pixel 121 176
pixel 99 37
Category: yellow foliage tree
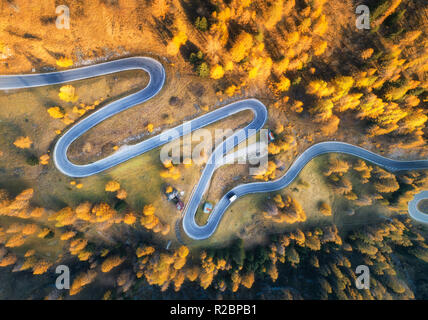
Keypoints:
pixel 103 212
pixel 41 267
pixel 29 229
pixel 121 194
pixel 319 47
pixel 130 218
pixel 56 113
pixel 172 172
pixel 248 280
pixel 325 209
pixel 267 174
pixel 165 229
pixel 178 40
pixel 241 47
pixel 64 217
pixel 67 235
pixel 145 251
pixel 112 186
pixel 15 241
pixel 149 210
pixel 78 245
pixel 159 8
pixel 283 84
pixel 23 142
pixel 82 280
pixel 8 260
pixel 111 263
pixel 44 159
pixel 216 72
pixel 320 26
pixel 44 233
pixel 183 251
pixel 83 211
pixel 67 93
pixel 64 62
pixel 275 12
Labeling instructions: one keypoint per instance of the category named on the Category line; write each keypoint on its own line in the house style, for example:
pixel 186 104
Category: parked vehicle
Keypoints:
pixel 208 207
pixel 271 137
pixel 172 194
pixel 179 205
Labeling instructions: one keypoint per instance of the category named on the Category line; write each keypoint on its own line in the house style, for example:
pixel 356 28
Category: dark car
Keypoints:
pixel 179 205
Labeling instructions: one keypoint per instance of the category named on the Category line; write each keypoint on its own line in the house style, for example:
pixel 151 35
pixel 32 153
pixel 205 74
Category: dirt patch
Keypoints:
pixel 423 206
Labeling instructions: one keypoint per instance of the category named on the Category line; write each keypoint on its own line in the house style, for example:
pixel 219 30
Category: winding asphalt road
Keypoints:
pixel 414 210
pixel 156 82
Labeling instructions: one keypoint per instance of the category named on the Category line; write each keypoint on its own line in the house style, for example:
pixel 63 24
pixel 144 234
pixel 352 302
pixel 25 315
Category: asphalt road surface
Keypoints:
pixel 414 211
pixel 157 79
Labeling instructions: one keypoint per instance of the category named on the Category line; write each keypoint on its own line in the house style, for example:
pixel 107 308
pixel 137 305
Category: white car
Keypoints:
pixel 232 197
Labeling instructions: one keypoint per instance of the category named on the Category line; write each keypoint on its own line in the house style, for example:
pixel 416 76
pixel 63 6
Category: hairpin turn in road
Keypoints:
pixel 156 82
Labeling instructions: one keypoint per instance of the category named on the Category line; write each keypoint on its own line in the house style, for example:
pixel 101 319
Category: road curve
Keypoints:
pixel 156 82
pixel 414 211
pixel 201 232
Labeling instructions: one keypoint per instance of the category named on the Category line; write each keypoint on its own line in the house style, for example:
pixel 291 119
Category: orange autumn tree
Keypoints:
pixel 151 222
pixel 160 8
pixel 216 72
pixel 83 211
pixel 111 263
pixel 77 246
pixel 241 47
pixel 324 208
pixel 67 235
pixel 247 280
pixel 112 186
pixel 41 267
pixel 56 112
pixel 121 194
pixel 23 142
pixel 149 210
pixel 179 39
pixel 287 210
pixel 130 218
pixel 64 62
pixel 64 217
pixel 103 213
pixel 67 93
pixel 82 280
pixel 15 241
pixel 44 159
pixel 8 260
pixel 144 251
pixel 29 229
pixel 171 171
